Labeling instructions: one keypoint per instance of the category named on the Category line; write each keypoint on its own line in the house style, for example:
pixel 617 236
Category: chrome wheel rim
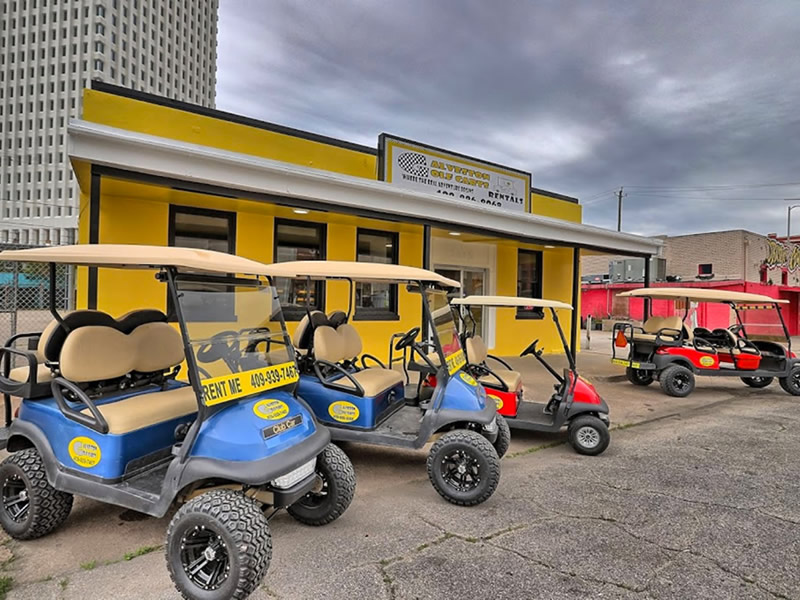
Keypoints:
pixel 588 437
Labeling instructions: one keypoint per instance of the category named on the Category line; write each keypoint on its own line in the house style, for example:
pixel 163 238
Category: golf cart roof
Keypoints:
pixel 701 295
pixel 131 256
pixel 510 301
pixel 356 271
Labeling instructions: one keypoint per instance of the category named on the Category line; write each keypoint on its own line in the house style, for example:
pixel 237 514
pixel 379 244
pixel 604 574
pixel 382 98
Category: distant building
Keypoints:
pixel 735 260
pixel 49 52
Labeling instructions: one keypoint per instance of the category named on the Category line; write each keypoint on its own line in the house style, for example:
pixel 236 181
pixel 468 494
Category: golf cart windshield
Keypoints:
pixel 445 332
pixel 238 337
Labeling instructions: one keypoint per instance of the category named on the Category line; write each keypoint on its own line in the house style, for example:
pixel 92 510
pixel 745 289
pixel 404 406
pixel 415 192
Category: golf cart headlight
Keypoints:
pixel 293 477
pixel 491 427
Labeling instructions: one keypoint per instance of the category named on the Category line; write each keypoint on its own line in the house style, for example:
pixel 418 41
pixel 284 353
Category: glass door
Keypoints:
pixel 473 282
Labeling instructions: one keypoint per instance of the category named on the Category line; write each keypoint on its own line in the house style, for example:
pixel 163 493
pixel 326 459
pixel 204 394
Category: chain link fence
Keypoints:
pixel 25 295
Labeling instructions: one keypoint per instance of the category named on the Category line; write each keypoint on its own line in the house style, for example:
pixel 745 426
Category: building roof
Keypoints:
pixel 263 179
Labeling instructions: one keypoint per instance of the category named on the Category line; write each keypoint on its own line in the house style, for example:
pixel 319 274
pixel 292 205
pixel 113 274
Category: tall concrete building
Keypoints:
pixel 50 50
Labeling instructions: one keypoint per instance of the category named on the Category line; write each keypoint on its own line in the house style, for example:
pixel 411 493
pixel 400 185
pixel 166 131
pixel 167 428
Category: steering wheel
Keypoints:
pixel 407 339
pixel 253 344
pixel 531 349
pixel 222 346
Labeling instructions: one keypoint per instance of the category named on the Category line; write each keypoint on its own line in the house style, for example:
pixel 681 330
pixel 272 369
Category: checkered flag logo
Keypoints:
pixel 413 163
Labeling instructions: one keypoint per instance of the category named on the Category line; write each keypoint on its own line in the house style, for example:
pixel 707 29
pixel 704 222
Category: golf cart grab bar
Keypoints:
pixel 500 360
pixel 95 422
pixel 332 384
pixel 364 357
pixel 485 370
pixel 9 386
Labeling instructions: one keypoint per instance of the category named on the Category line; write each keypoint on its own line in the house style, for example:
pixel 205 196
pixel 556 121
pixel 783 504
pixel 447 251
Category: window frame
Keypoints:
pixel 381 314
pixel 290 314
pixel 535 313
pixel 174 211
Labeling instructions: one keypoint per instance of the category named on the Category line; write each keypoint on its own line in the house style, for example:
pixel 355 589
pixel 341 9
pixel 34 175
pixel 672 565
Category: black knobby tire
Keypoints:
pixel 791 384
pixel 639 376
pixel 230 533
pixel 481 467
pixel 335 491
pixel 30 506
pixel 677 381
pixel 757 382
pixel 503 440
pixel 588 435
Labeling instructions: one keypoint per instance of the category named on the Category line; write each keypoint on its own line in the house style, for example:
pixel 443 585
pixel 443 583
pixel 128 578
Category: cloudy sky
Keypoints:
pixel 694 107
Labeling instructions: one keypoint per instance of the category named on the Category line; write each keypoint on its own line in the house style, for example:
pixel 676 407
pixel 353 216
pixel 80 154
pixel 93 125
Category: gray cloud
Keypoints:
pixel 587 96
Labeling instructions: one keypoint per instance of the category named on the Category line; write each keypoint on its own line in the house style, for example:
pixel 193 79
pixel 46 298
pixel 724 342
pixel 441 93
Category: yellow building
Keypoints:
pixel 158 171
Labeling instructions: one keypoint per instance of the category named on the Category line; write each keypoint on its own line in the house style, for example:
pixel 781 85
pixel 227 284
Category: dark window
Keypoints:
pixel 705 269
pixel 207 230
pixel 529 281
pixel 376 301
pixel 297 240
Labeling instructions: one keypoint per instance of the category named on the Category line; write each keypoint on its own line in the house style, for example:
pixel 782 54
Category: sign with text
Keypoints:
pixel 424 168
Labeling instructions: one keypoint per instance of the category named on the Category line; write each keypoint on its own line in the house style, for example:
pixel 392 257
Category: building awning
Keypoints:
pixel 176 160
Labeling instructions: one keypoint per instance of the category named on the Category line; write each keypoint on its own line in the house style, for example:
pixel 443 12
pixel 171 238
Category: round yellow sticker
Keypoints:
pixel 469 379
pixel 84 451
pixel 271 410
pixel 497 400
pixel 344 412
pixel 706 361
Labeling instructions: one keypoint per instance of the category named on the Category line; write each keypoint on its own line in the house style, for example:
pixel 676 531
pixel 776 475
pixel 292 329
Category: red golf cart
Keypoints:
pixel 575 403
pixel 668 349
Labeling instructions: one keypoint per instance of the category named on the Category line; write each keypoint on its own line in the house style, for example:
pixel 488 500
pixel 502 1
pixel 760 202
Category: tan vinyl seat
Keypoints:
pixel 655 324
pixel 97 353
pixel 43 373
pixel 511 379
pixel 20 374
pixel 477 353
pixel 337 345
pixel 147 409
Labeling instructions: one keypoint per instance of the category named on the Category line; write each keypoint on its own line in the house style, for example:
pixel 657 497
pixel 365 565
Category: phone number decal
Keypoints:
pixel 238 385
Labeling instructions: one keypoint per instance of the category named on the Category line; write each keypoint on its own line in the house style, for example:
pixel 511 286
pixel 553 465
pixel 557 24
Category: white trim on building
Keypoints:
pixel 141 153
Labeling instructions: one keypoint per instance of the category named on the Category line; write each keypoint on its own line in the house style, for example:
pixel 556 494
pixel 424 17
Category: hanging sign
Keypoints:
pixel 424 168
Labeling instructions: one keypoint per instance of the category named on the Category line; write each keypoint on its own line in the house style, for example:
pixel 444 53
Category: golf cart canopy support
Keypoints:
pixel 124 256
pixel 357 271
pixel 500 301
pixel 701 295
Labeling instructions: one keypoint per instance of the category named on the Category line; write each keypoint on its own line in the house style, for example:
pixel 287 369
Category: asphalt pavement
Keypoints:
pixel 695 498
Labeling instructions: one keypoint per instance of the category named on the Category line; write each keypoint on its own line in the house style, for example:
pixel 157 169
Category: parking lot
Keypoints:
pixel 695 497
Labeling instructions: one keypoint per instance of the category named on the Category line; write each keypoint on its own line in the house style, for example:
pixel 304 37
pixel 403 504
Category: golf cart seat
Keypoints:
pixel 735 344
pixel 477 353
pixel 98 353
pixel 48 349
pixel 303 336
pixel 334 346
pixel 654 328
pixel 336 318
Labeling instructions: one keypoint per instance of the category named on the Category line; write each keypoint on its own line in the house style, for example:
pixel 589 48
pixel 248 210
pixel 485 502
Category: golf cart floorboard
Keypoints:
pixel 400 429
pixel 147 483
pixel 530 415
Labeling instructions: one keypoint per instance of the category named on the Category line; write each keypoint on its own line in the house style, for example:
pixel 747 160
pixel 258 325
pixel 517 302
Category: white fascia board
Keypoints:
pixel 138 152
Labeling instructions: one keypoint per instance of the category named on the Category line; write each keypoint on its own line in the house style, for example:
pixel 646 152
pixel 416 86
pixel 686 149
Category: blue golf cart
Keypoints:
pixel 145 411
pixel 362 399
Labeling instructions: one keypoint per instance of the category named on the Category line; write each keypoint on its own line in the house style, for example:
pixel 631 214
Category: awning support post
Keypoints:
pixel 576 314
pixel 647 285
pixel 426 247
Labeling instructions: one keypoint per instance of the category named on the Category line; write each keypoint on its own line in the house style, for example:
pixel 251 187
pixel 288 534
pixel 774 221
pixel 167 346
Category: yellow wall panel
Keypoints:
pixel 555 208
pixel 153 119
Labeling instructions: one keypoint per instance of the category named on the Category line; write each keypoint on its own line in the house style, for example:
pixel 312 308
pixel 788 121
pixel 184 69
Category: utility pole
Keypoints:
pixel 789 218
pixel 619 209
